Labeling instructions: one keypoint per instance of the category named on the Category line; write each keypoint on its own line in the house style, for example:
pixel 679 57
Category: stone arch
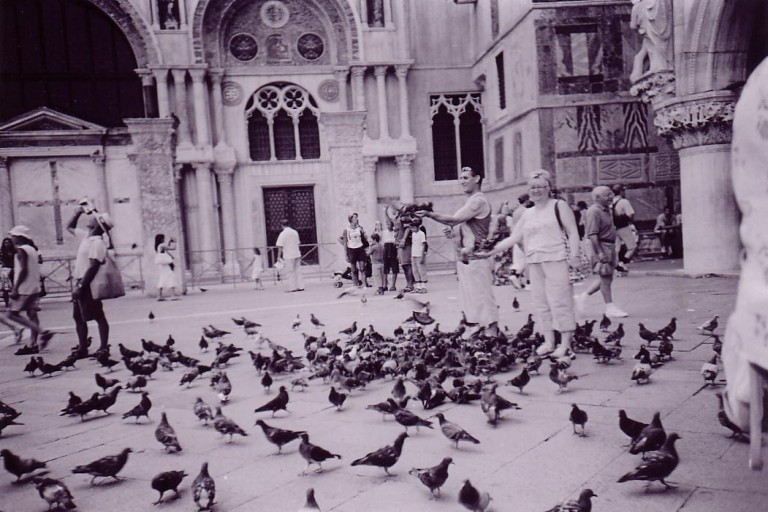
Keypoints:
pixel 713 48
pixel 131 23
pixel 209 14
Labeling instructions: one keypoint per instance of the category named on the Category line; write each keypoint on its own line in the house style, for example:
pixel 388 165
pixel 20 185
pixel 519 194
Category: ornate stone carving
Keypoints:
pixel 404 161
pixel 655 87
pixel 345 139
pixel 653 20
pixel 274 14
pixel 697 122
pixel 243 47
pixel 224 175
pixel 310 46
pixel 369 163
pixel 231 93
pixel 328 90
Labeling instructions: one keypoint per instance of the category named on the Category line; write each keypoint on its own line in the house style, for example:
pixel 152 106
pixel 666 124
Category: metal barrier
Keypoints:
pixel 58 273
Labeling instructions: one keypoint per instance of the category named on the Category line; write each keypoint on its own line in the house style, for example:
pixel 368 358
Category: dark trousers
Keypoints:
pixel 87 308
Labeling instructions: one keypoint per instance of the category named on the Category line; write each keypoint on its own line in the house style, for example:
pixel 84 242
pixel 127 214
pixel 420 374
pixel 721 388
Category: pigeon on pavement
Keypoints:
pixel 225 426
pixel 142 409
pixel 454 432
pixel 605 323
pixel 632 428
pixel 202 411
pixel 314 454
pixel 278 436
pixel 103 382
pixel 578 417
pixel 18 466
pixel 279 403
pixel 167 436
pixel 710 326
pixel 736 431
pixel 310 504
pixel 54 492
pixel 651 437
pixel 658 465
pixel 105 467
pixel 336 398
pixel 520 381
pixel 433 477
pixel 583 504
pixel 473 499
pixel 204 489
pixel 710 370
pixel 167 481
pixel 317 323
pixel 385 457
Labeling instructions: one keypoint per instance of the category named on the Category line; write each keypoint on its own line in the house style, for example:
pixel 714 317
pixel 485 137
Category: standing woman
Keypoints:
pixel 7 253
pixel 355 242
pixel 544 230
pixel 164 260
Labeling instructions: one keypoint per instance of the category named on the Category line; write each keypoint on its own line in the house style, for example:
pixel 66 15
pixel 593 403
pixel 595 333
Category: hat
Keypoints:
pixel 19 231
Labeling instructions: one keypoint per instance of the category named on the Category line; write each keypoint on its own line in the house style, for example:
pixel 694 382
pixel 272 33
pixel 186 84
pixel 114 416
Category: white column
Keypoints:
pixel 381 96
pixel 358 89
pixel 147 81
pixel 224 176
pixel 99 159
pixel 6 197
pixel 402 72
pixel 405 177
pixel 296 141
pixel 341 77
pixel 207 235
pixel 161 83
pixel 369 190
pixel 182 112
pixel 182 14
pixel 201 106
pixel 154 5
pixel 218 110
pixel 457 137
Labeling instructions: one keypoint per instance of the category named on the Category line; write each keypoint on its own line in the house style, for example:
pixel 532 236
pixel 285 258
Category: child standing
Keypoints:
pixel 376 252
pixel 257 267
pixel 419 256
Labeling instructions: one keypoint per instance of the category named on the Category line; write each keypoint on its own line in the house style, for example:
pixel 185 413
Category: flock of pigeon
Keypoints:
pixel 423 363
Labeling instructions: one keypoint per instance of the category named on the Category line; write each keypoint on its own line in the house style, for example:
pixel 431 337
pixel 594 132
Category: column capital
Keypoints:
pixel 98 157
pixel 401 70
pixel 369 163
pixel 697 120
pixel 178 74
pixel 341 74
pixel 145 75
pixel 404 160
pixel 655 87
pixel 358 71
pixel 161 74
pixel 380 70
pixel 216 74
pixel 177 168
pixel 4 160
pixel 197 74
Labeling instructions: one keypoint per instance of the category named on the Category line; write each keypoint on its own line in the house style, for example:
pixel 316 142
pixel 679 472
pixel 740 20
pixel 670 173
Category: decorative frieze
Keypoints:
pixel 697 122
pixel 655 87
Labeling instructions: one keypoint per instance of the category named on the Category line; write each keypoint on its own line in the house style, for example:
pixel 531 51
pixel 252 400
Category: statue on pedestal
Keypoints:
pixel 169 15
pixel 653 21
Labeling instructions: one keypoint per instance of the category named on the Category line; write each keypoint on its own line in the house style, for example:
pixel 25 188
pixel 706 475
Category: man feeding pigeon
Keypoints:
pixel 475 275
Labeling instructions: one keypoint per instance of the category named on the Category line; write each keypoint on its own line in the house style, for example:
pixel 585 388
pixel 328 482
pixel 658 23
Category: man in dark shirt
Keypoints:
pixel 602 235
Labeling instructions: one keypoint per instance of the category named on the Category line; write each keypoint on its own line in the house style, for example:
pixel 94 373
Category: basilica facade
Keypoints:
pixel 212 120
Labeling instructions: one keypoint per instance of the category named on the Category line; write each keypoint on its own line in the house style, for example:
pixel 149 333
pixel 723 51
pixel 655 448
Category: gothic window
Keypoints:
pixel 457 134
pixel 498 159
pixel 579 56
pixel 501 80
pixel 282 124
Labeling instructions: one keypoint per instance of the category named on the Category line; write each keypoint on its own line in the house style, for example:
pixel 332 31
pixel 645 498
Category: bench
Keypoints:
pixel 648 246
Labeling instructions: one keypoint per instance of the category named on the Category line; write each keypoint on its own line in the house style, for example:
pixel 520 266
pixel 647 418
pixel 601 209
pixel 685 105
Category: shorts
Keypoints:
pixel 356 255
pixel 391 264
pixel 607 268
pixel 25 303
pixel 626 235
pixel 86 307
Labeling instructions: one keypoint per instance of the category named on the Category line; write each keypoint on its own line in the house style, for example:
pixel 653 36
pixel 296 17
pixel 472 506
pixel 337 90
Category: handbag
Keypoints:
pixel 580 272
pixel 107 283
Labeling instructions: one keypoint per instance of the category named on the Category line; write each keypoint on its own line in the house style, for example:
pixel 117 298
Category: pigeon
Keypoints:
pixel 314 454
pixel 385 457
pixel 167 436
pixel 515 304
pixel 387 407
pixel 31 366
pixel 204 489
pixel 717 345
pixel 203 290
pixel 668 330
pixel 336 398
pixel 398 390
pixel 651 437
pixel 68 362
pixel 665 348
pixel 142 409
pixel 423 318
pixel 126 352
pixel 349 331
pixel 7 421
pixel 632 428
pixel 736 431
pixel 300 383
pixel 658 465
pixel 520 381
pixel 616 335
pixel 408 419
pixel 136 383
pixel 464 322
pixel 642 371
pixel 225 426
pixel 107 400
pixel 433 477
pixel 647 335
pixel 311 503
pixel 151 316
pixel 105 361
pixel 46 368
pixel 492 404
pixel 454 432
pixel 317 323
pixel 83 407
pixel 605 323
pixel 54 492
pixel 202 411
pixel 221 384
pixel 296 323
pixel 560 377
pixel 105 383
pixel 266 382
pixel 278 436
pixel 189 377
pixel 473 499
pixel 710 326
pixel 710 370
pixel 167 481
pixel 578 417
pixel 108 466
pixel 279 403
pixel 583 504
pixel 19 466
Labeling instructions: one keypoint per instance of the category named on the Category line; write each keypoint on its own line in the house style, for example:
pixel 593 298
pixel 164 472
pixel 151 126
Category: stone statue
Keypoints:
pixel 170 22
pixel 653 21
pixel 376 13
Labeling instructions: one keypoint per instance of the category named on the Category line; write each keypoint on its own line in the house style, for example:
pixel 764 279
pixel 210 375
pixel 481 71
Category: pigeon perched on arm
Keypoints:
pixel 142 409
pixel 583 504
pixel 454 432
pixel 204 489
pixel 314 454
pixel 578 417
pixel 105 467
pixel 54 492
pixel 385 457
pixel 433 477
pixel 167 481
pixel 658 465
pixel 19 466
pixel 167 436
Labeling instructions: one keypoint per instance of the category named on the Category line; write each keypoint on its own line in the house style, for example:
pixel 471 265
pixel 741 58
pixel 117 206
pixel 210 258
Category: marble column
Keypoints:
pixel 381 100
pixel 147 81
pixel 182 111
pixel 151 153
pixel 100 159
pixel 358 88
pixel 401 71
pixel 218 111
pixel 405 177
pixel 224 176
pixel 200 99
pixel 6 197
pixel 161 84
pixel 370 214
pixel 206 218
pixel 700 128
pixel 341 77
pixel 154 5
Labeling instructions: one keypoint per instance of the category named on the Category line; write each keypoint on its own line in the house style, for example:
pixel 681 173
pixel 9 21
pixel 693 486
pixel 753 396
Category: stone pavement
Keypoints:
pixel 529 462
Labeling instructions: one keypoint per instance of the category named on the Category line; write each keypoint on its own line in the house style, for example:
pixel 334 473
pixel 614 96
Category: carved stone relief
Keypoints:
pixel 696 123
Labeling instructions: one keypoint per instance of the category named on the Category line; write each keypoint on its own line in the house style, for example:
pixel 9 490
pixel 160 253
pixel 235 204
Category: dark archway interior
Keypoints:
pixel 758 40
pixel 69 56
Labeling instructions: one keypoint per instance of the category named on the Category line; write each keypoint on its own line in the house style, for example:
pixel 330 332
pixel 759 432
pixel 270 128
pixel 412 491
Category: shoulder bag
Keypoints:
pixel 107 283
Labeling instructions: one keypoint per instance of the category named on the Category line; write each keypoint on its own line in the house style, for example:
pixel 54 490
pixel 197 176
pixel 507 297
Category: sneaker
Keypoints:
pixel 45 337
pixel 27 350
pixel 545 349
pixel 407 289
pixel 613 311
pixel 622 268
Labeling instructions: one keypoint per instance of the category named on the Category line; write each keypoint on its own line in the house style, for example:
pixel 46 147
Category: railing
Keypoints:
pixel 58 273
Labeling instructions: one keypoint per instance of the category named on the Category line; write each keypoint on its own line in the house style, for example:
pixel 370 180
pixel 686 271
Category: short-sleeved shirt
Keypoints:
pixel 355 237
pixel 418 239
pixel 91 248
pixel 288 239
pixel 376 252
pixel 542 234
pixel 600 222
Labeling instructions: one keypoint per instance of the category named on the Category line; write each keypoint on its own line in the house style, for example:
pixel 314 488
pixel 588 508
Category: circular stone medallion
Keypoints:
pixel 274 14
pixel 310 46
pixel 231 93
pixel 328 90
pixel 243 47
